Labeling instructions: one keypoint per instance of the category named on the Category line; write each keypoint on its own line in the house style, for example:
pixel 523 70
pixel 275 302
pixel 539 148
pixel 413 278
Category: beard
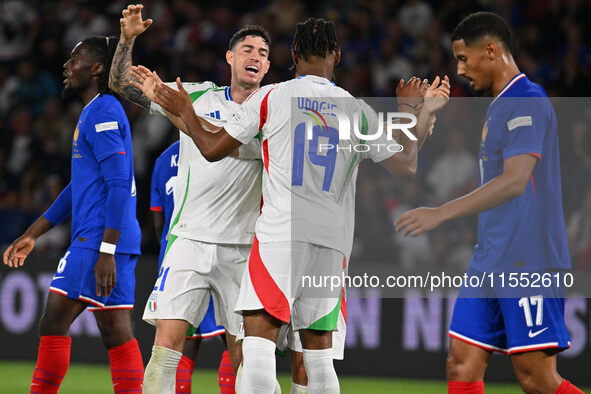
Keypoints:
pixel 70 91
pixel 483 92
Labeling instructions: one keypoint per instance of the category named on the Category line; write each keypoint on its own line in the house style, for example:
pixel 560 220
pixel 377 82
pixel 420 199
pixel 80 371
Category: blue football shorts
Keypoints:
pixel 74 278
pixel 532 321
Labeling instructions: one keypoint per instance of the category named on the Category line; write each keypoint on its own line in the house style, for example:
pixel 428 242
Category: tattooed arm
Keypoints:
pixel 132 25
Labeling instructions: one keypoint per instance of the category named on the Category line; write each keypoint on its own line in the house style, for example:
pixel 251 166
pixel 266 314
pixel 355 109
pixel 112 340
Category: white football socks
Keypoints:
pixel 258 370
pixel 298 389
pixel 238 381
pixel 160 375
pixel 322 378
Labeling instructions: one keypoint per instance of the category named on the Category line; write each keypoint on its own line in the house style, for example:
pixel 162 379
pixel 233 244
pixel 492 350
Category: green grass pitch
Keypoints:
pixel 95 379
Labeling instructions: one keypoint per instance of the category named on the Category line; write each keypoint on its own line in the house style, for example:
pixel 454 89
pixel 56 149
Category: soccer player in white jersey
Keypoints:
pixel 215 208
pixel 290 242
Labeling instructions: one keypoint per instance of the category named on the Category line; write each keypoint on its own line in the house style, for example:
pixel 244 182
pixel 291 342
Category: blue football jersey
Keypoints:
pixel 102 131
pixel 161 196
pixel 528 232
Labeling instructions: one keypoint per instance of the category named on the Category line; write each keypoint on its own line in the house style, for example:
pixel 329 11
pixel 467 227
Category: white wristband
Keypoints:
pixel 107 248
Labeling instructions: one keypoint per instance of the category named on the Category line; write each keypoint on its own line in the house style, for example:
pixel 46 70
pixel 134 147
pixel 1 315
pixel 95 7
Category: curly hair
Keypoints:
pixel 315 37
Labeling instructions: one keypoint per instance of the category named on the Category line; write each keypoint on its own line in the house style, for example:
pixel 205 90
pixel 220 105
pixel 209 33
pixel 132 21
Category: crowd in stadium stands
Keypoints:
pixel 381 41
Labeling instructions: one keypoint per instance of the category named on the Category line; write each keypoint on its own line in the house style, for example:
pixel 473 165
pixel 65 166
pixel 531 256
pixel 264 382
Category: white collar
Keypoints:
pixel 508 86
pixel 91 101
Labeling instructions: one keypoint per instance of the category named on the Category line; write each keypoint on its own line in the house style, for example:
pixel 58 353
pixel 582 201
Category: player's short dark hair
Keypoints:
pixel 480 24
pixel 315 37
pixel 102 50
pixel 250 30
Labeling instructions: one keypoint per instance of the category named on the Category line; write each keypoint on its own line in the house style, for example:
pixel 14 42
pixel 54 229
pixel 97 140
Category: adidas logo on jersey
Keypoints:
pixel 215 114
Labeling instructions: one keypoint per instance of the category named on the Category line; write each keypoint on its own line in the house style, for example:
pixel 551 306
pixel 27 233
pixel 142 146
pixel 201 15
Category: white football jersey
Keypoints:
pixel 214 202
pixel 308 187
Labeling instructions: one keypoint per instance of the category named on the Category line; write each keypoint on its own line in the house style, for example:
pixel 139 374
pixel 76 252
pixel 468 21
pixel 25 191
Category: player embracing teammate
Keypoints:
pixel 308 198
pixel 215 204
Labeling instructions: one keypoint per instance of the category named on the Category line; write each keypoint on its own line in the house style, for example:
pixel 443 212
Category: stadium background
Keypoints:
pixel 381 41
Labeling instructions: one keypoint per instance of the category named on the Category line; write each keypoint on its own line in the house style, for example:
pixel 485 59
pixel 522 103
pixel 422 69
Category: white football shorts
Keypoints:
pixel 191 272
pixel 292 282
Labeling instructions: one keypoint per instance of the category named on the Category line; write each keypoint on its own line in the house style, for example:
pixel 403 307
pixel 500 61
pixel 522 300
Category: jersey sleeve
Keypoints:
pixel 103 132
pixel 252 150
pixel 195 90
pixel 61 207
pixel 381 148
pixel 156 203
pixel 245 124
pixel 526 127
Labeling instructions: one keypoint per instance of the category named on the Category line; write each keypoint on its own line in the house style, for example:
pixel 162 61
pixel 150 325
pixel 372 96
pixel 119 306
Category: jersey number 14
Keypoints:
pixel 327 157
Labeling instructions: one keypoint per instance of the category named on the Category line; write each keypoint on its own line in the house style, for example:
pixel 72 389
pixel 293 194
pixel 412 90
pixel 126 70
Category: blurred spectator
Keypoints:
pixel 53 127
pixel 390 67
pixel 414 17
pixel 58 238
pixel 579 234
pixel 23 145
pixel 454 171
pixel 31 193
pixel 34 86
pixel 8 184
pixel 18 29
pixel 8 90
pixel 415 253
pixel 85 23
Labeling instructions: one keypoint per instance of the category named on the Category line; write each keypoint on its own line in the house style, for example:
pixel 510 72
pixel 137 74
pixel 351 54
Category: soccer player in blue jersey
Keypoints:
pixel 161 193
pixel 520 225
pixel 97 271
pixel 162 206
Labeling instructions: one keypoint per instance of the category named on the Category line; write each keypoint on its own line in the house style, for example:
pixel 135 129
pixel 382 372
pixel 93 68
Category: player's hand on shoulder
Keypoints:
pixel 419 220
pixel 17 252
pixel 411 93
pixel 105 274
pixel 132 24
pixel 437 95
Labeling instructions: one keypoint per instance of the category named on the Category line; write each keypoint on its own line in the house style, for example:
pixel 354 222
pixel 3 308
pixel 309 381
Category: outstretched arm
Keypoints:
pixel 511 183
pixel 436 95
pixel 213 146
pixel 408 95
pixel 17 252
pixel 132 25
pixel 145 80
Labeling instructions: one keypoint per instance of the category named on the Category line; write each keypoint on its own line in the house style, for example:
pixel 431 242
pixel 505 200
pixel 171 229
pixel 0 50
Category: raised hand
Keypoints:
pixel 17 252
pixel 411 93
pixel 132 24
pixel 437 95
pixel 145 80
